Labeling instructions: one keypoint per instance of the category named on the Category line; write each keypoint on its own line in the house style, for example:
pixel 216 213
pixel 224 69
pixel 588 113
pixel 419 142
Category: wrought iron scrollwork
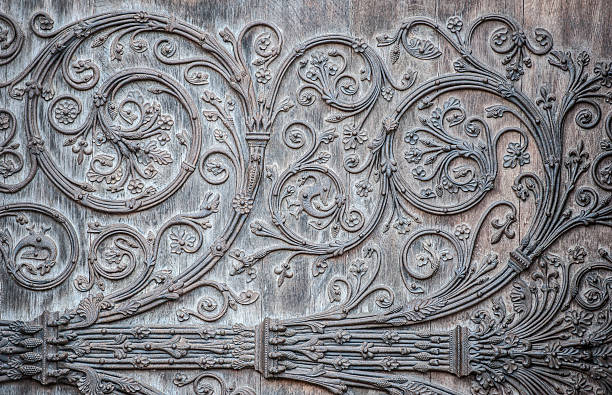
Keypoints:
pixel 118 142
pixel 32 259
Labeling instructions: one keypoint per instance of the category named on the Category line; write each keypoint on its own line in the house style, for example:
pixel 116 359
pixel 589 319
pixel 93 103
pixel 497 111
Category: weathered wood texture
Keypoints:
pixel 330 199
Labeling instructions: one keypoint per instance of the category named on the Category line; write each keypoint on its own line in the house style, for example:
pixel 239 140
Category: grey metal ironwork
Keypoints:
pixel 556 335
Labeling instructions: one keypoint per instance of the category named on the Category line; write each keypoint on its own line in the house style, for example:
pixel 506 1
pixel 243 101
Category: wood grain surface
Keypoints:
pixel 317 224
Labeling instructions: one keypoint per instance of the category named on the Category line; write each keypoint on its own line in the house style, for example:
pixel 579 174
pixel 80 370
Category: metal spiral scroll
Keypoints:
pixel 129 146
pixel 33 260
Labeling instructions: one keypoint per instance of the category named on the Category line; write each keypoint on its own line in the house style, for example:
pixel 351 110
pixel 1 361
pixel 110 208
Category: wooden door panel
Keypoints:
pixel 302 198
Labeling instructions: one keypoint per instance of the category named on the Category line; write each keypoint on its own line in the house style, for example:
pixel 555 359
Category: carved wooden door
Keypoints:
pixel 274 197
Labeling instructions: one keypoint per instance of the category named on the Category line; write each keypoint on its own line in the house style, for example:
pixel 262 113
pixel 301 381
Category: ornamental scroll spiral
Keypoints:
pixel 118 142
pixel 32 260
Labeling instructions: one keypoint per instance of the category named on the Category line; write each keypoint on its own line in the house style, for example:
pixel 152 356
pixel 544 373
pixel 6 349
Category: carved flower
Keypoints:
pixel 352 219
pixel 36 145
pixel 447 184
pixel 81 148
pixel 485 383
pixel 387 93
pixel 140 332
pixel 220 135
pixel 242 204
pixel 44 23
pixel 312 73
pixel 365 350
pixel 7 167
pixel 81 30
pixel 454 24
pixel 66 112
pixel 577 254
pixel 332 69
pixel 520 191
pixel 99 138
pixel 411 137
pixel 180 379
pixel 204 388
pixel 580 320
pixel 206 362
pixel 163 138
pixel 413 155
pixel 551 351
pixel 389 363
pixel 606 174
pixel 363 187
pixel 353 137
pixel 99 99
pixel 181 241
pixel 358 268
pixel 391 337
pixel 5 121
pixel 342 336
pixel 462 232
pixel 419 172
pixel 263 75
pixel 516 155
pixel 150 110
pixel 165 122
pixel 511 340
pixel 264 42
pixel 510 366
pixel 579 385
pixel 341 363
pixel 402 224
pixel 359 45
pixel 22 219
pixel 182 315
pixel 140 361
pixel 604 71
pixel 551 161
pixel 284 105
pixel 47 93
pixel 135 186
